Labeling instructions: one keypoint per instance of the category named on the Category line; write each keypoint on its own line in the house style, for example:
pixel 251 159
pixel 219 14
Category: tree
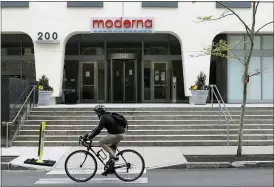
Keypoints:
pixel 225 50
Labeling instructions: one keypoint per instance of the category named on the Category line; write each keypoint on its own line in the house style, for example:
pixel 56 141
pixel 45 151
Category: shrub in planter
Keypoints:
pixel 199 90
pixel 45 91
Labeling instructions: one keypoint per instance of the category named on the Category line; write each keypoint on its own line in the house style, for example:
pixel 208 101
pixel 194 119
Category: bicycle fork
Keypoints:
pixel 84 160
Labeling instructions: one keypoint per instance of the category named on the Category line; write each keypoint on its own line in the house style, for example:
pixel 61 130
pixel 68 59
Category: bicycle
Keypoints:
pixel 112 168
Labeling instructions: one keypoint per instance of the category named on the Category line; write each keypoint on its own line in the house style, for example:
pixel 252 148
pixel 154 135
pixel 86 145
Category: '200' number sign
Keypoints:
pixel 47 36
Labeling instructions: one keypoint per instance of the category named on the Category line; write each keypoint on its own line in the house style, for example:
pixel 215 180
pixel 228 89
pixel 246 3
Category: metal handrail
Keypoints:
pixel 227 116
pixel 18 113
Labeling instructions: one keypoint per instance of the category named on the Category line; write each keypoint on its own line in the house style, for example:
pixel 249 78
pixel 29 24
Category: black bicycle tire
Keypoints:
pixel 140 174
pixel 95 164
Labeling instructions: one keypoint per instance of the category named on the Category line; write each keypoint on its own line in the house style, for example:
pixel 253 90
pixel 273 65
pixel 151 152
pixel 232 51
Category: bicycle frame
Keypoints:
pixel 89 147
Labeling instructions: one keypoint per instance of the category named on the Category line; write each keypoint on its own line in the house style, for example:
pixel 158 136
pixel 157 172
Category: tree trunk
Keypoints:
pixel 241 127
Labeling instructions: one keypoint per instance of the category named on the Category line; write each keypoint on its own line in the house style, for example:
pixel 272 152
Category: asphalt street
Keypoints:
pixel 159 177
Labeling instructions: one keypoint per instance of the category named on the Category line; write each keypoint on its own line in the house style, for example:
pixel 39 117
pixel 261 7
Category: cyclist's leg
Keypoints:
pixel 107 141
pixel 115 144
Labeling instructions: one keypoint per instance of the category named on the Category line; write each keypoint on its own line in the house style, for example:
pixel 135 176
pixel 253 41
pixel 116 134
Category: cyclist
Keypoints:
pixel 116 133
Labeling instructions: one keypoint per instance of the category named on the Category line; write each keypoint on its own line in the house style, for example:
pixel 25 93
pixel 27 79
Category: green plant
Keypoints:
pixel 43 84
pixel 200 84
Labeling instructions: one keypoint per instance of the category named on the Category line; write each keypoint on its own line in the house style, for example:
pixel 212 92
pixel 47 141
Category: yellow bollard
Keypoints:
pixel 41 142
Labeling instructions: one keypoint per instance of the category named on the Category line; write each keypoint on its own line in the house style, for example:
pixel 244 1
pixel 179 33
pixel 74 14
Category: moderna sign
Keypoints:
pixel 122 24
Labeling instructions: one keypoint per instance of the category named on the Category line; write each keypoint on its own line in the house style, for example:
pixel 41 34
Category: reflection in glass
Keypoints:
pixel 118 83
pixel 160 81
pixel 267 76
pixel 28 70
pixel 88 73
pixel 11 68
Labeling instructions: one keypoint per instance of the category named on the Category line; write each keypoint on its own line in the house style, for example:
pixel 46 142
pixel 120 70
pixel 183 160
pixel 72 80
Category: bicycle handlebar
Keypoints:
pixel 84 141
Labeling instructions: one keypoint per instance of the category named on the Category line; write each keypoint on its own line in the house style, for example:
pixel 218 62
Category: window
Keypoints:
pixel 163 4
pixel 14 4
pixel 84 4
pixel 234 4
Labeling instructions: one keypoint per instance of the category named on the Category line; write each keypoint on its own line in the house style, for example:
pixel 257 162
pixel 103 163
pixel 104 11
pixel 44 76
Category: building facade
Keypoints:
pixel 119 52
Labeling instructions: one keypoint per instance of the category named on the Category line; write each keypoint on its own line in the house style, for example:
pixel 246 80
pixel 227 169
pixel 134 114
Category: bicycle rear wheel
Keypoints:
pixel 84 162
pixel 126 168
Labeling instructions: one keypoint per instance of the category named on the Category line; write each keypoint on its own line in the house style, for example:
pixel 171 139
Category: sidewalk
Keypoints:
pixel 155 157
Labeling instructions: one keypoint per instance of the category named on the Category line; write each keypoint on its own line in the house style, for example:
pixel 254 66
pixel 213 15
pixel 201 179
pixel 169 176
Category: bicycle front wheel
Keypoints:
pixel 130 166
pixel 80 166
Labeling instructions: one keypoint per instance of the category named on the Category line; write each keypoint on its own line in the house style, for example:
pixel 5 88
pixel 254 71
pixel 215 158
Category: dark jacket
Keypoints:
pixel 106 121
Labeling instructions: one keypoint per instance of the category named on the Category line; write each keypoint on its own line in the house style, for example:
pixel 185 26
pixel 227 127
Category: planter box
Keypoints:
pixel 199 97
pixel 44 97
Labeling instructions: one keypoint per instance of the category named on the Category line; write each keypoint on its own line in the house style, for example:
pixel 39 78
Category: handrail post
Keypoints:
pixel 219 114
pixel 33 101
pixel 211 95
pixel 227 138
pixel 7 135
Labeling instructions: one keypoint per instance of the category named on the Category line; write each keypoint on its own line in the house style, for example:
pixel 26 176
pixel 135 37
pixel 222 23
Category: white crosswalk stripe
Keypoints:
pixel 62 172
pixel 58 176
pixel 141 180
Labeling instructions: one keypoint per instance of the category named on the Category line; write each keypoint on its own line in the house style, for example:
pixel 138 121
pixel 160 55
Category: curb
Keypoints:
pixel 211 165
pixel 12 166
pixel 189 165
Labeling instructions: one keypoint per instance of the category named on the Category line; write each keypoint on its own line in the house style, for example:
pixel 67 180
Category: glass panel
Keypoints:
pixel 268 41
pixel 257 42
pixel 156 44
pixel 88 73
pixel 233 39
pixel 129 80
pixel 118 83
pixel 72 49
pixel 27 49
pixel 11 48
pixel 178 73
pixel 91 48
pixel 70 76
pixel 147 80
pixel 101 80
pixel 234 79
pixel 28 70
pixel 88 92
pixel 254 85
pixel 11 68
pixel 267 76
pixel 160 76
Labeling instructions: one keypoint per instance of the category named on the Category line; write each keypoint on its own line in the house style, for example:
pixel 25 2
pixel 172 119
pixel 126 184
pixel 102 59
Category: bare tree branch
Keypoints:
pixel 246 27
pixel 264 26
pixel 238 58
pixel 256 8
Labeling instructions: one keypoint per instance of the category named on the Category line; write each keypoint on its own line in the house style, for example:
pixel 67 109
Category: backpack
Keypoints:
pixel 120 119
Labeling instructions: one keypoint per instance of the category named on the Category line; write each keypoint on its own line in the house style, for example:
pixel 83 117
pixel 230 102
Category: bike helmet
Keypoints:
pixel 99 110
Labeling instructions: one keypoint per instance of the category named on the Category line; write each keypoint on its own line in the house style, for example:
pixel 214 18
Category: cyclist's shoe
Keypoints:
pixel 108 171
pixel 112 160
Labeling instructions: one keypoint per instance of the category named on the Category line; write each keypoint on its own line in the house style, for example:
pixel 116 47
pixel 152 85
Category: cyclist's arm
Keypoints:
pixel 97 130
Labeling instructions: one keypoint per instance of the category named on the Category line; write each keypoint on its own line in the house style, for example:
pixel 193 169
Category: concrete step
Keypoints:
pixel 148 113
pixel 154 117
pixel 89 127
pixel 152 108
pixel 151 137
pixel 154 143
pixel 153 132
pixel 151 122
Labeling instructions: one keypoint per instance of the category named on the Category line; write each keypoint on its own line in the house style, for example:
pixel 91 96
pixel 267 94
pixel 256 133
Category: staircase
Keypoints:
pixel 185 126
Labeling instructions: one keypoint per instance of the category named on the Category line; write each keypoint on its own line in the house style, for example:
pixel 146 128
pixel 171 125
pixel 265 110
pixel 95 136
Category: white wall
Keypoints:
pixel 56 17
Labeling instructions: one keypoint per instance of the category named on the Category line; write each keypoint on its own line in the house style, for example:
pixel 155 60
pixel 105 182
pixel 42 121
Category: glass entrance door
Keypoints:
pixel 88 82
pixel 123 81
pixel 160 80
